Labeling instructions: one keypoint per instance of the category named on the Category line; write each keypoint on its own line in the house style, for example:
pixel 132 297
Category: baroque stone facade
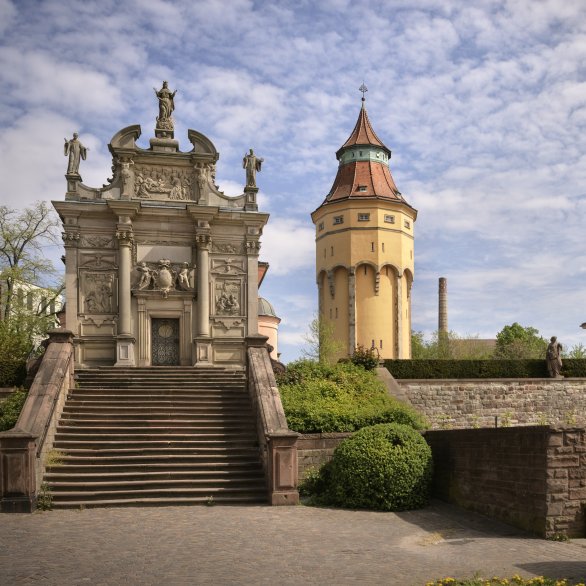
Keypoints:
pixel 159 255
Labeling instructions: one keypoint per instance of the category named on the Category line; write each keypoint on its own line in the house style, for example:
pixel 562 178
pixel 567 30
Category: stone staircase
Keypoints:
pixel 156 436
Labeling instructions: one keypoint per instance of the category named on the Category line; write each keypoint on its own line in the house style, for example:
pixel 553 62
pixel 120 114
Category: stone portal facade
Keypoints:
pixel 161 266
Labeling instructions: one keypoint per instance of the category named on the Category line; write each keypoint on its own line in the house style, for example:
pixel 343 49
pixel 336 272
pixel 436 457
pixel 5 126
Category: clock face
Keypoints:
pixel 165 331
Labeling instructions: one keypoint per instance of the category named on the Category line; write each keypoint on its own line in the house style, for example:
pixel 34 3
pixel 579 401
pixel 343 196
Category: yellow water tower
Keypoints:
pixel 364 249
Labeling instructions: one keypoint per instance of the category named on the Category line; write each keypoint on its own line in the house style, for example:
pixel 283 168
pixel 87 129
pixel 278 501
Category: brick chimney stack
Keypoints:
pixel 443 306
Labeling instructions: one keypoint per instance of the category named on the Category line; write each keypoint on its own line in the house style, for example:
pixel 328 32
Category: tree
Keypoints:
pixel 24 267
pixel 516 342
pixel 322 344
pixel 448 346
pixel 576 351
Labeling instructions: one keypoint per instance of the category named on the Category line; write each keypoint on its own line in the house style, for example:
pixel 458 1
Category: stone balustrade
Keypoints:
pixel 23 449
pixel 278 443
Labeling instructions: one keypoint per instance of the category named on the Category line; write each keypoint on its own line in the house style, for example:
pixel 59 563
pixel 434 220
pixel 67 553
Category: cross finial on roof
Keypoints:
pixel 363 89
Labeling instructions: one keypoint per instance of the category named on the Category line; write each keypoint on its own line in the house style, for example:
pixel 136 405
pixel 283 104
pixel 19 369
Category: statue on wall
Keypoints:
pixel 252 164
pixel 146 278
pixel 183 277
pixel 75 151
pixel 166 106
pixel 553 356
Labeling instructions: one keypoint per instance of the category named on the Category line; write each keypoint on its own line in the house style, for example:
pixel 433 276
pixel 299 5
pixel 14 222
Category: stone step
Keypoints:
pixel 214 498
pixel 194 444
pixel 126 480
pixel 163 465
pixel 154 454
pixel 172 420
pixel 205 428
pixel 175 492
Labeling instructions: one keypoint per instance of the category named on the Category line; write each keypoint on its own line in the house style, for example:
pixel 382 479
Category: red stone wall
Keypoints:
pixel 530 477
pixel 458 404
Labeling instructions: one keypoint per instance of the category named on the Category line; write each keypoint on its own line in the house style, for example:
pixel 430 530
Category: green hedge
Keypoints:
pixel 10 409
pixel 344 397
pixel 385 467
pixel 440 369
pixel 12 372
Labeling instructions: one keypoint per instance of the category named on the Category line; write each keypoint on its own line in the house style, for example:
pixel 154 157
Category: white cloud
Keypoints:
pixel 288 245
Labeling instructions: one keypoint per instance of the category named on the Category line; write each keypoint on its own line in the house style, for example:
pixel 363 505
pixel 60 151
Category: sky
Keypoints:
pixel 482 103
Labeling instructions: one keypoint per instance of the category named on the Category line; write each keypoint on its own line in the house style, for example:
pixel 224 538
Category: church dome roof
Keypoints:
pixel 265 308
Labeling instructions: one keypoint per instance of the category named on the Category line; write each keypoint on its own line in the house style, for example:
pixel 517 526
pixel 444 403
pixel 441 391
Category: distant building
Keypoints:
pixel 29 298
pixel 364 249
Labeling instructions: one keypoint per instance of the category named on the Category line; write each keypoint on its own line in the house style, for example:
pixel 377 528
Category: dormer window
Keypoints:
pixel 361 188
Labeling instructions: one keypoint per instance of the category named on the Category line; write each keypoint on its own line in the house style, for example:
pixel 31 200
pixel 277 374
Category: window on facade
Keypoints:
pixel 389 219
pixel 330 313
pixel 372 247
pixel 332 253
pixel 336 313
pixel 363 217
pixel 381 344
pixel 338 220
pixel 321 226
pixel 383 246
pixel 407 224
pixel 372 344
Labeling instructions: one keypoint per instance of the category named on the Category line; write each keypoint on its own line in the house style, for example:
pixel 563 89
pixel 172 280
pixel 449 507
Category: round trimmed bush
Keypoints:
pixel 386 467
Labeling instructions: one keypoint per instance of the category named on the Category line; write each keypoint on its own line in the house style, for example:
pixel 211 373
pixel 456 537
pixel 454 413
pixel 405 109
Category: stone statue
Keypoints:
pixel 252 164
pixel 183 277
pixel 554 358
pixel 76 151
pixel 166 106
pixel 146 277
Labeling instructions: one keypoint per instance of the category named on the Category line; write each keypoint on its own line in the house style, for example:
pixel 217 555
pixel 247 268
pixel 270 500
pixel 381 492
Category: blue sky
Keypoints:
pixel 482 103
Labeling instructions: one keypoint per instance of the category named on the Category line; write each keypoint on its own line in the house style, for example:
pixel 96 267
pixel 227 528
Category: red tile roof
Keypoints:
pixel 363 132
pixel 374 178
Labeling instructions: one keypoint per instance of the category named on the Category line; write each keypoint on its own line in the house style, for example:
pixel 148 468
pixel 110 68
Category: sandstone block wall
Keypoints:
pixel 530 477
pixel 458 404
pixel 315 449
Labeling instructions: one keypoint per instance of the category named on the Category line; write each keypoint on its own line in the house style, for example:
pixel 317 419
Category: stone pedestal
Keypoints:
pixel 17 472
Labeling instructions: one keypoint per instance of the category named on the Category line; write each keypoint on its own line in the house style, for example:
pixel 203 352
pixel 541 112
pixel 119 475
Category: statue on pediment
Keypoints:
pixel 252 164
pixel 166 106
pixel 75 151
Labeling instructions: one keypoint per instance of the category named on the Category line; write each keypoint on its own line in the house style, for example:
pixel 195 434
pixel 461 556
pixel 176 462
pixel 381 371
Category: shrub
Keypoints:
pixel 441 369
pixel 10 409
pixel 385 467
pixel 320 399
pixel 12 372
pixel 365 357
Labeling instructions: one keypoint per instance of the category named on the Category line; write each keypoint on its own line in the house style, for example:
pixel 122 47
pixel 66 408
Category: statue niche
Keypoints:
pixel 164 277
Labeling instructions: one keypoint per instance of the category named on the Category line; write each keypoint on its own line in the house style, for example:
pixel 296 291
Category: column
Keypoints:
pixel 252 251
pixel 203 284
pixel 70 240
pixel 125 339
pixel 203 342
pixel 351 310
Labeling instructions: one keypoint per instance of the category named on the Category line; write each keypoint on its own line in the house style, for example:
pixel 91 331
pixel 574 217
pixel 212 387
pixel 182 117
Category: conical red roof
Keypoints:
pixel 363 178
pixel 363 132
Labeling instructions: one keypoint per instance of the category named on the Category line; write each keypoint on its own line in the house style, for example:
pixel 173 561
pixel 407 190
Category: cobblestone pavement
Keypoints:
pixel 270 545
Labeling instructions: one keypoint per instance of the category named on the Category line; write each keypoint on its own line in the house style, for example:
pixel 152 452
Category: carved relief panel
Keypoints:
pixel 98 292
pixel 172 183
pixel 228 301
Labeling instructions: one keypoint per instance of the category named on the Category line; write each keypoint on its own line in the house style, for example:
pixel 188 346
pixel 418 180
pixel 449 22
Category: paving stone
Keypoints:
pixel 270 545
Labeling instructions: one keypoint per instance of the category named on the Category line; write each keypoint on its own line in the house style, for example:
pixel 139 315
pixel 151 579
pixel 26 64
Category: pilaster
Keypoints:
pixel 125 339
pixel 203 345
pixel 351 310
pixel 252 252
